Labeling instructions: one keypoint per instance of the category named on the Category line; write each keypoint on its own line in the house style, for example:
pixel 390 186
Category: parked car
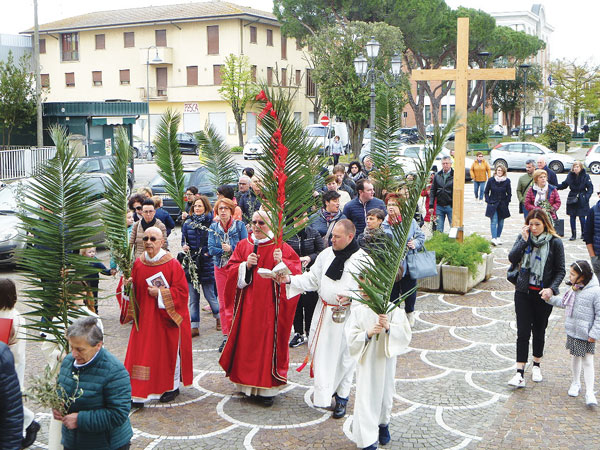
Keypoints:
pixel 187 143
pixel 412 152
pixel 11 238
pixel 513 155
pixel 592 159
pixel 140 149
pixel 323 136
pixel 102 164
pixel 515 131
pixel 253 148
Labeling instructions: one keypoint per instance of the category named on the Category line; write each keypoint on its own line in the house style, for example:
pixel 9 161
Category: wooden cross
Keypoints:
pixel 461 75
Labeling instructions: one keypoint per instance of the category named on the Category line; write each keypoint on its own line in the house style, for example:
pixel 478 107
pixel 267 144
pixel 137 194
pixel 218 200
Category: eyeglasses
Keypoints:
pixel 138 208
pixel 242 184
pixel 148 211
pixel 149 238
pixel 260 223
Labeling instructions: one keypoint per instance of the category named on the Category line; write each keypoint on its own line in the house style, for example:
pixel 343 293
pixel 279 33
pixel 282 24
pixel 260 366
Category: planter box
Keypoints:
pixel 431 283
pixel 489 265
pixel 458 280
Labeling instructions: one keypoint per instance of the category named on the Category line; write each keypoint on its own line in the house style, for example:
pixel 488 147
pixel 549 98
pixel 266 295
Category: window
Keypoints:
pixel 217 74
pixel 129 39
pixel 270 38
pixel 70 47
pixel 283 77
pixel 192 75
pixel 124 76
pixel 161 81
pixel 283 47
pixel 100 45
pixel 298 117
pixel 253 35
pixel 45 80
pixel 298 77
pixel 311 87
pixel 42 46
pixel 70 79
pixel 212 38
pixel 97 78
pixel 298 46
pixel 253 73
pixel 160 37
pixel 269 76
pixel 427 114
pixel 444 113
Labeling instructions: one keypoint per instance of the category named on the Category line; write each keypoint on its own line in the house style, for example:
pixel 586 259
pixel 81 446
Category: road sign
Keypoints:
pixel 325 121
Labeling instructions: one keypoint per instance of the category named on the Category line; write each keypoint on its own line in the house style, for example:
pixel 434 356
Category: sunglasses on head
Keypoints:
pixel 260 223
pixel 149 238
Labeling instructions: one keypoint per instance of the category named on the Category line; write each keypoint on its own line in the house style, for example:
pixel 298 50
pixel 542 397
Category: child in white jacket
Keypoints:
pixel 582 323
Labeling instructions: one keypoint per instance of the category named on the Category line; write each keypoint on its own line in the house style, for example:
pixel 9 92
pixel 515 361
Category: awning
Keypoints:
pixel 97 121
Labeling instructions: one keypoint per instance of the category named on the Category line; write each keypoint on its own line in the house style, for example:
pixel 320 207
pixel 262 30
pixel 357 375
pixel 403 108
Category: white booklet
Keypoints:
pixel 158 280
pixel 279 269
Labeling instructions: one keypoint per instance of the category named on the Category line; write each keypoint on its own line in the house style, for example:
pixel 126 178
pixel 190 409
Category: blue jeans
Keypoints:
pixel 442 213
pixel 479 186
pixel 208 289
pixel 496 225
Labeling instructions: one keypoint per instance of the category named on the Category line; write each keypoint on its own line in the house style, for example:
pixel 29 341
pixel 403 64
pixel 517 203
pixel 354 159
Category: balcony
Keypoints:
pixel 155 94
pixel 164 53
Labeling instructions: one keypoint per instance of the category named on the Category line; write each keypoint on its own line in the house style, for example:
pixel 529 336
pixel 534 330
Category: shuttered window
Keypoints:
pixel 192 75
pixel 129 39
pixel 283 77
pixel 70 46
pixel 212 38
pixel 270 38
pixel 298 77
pixel 160 38
pixel 124 76
pixel 100 44
pixel 97 78
pixel 70 79
pixel 298 46
pixel 253 35
pixel 217 75
pixel 42 46
pixel 253 73
pixel 311 88
pixel 269 76
pixel 45 80
pixel 161 81
pixel 283 47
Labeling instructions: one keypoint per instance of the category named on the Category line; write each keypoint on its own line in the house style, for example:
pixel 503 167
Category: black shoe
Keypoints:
pixel 339 409
pixel 169 396
pixel 371 447
pixel 266 401
pixel 384 434
pixel 136 404
pixel 573 238
pixel 222 346
pixel 297 340
pixel 30 434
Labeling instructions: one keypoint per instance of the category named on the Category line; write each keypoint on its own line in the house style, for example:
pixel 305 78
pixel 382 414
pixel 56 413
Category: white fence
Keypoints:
pixel 21 163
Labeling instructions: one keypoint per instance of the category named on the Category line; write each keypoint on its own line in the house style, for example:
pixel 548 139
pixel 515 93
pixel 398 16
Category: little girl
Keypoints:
pixel 93 280
pixel 582 322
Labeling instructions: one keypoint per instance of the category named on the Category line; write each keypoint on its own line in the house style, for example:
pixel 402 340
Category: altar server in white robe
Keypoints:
pixel 375 342
pixel 332 276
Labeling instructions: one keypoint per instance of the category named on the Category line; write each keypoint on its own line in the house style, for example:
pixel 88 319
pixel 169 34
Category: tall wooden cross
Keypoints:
pixel 461 75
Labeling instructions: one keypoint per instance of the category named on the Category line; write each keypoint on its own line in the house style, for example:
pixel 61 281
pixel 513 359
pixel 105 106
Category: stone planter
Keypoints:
pixel 431 283
pixel 489 265
pixel 458 280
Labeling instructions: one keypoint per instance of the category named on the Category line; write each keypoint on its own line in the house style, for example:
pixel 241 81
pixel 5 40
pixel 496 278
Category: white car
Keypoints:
pixel 253 148
pixel 592 159
pixel 513 155
pixel 416 151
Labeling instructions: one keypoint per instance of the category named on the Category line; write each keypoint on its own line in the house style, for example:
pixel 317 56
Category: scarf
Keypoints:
pixel 568 299
pixel 540 194
pixel 536 256
pixel 226 227
pixel 329 216
pixel 146 225
pixel 393 220
pixel 500 179
pixel 336 268
pixel 200 221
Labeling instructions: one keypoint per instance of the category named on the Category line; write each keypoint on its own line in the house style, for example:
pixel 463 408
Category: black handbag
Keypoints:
pixel 573 200
pixel 513 273
pixel 559 226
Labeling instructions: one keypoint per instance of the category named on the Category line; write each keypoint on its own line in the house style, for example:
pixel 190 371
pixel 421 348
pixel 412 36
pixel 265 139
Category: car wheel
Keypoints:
pixel 595 168
pixel 556 166
pixel 500 162
pixel 136 153
pixel 197 151
pixel 245 157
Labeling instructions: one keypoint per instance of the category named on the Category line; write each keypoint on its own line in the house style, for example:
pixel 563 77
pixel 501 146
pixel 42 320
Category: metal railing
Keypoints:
pixel 21 163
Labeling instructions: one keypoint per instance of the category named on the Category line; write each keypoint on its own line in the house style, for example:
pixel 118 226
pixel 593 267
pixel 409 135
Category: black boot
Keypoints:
pixel 573 236
pixel 30 434
pixel 339 409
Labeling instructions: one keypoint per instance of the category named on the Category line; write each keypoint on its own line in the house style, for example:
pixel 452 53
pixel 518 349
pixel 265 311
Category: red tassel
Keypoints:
pixel 312 373
pixel 303 365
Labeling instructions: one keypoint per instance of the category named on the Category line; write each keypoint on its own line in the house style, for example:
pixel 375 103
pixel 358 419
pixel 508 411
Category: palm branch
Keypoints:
pixel 385 154
pixel 378 274
pixel 216 156
pixel 288 183
pixel 55 220
pixel 114 215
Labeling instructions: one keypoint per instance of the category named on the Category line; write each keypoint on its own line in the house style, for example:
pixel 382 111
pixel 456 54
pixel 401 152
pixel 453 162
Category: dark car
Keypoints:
pixel 187 143
pixel 102 164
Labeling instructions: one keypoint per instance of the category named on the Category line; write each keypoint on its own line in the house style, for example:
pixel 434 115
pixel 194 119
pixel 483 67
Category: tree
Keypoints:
pixel 17 95
pixel 576 85
pixel 237 88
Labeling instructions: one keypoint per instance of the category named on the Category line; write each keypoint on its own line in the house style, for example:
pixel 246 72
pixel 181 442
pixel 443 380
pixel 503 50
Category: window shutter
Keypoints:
pixel 269 76
pixel 253 73
pixel 161 38
pixel 217 75
pixel 161 81
pixel 124 76
pixel 45 80
pixel 70 79
pixel 270 38
pixel 212 38
pixel 100 44
pixel 283 77
pixel 42 46
pixel 298 46
pixel 298 77
pixel 283 47
pixel 129 39
pixel 253 35
pixel 97 78
pixel 192 75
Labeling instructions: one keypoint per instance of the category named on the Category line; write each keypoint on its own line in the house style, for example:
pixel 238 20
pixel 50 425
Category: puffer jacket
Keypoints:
pixel 197 240
pixel 320 223
pixel 552 197
pixel 103 419
pixel 137 235
pixel 11 404
pixel 584 323
pixel 307 242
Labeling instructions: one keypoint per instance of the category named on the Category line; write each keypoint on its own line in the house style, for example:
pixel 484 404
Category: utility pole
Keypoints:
pixel 38 77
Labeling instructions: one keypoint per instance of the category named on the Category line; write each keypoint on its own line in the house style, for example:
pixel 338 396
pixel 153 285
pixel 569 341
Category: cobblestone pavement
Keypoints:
pixel 451 385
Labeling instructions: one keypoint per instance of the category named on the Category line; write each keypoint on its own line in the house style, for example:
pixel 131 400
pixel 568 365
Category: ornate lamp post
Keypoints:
pixel 525 68
pixel 366 71
pixel 155 60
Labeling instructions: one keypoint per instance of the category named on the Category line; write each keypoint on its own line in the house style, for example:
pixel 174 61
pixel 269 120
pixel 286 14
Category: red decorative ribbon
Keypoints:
pixel 281 152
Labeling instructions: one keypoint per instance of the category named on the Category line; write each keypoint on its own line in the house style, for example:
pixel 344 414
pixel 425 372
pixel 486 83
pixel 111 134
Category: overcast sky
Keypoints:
pixel 575 22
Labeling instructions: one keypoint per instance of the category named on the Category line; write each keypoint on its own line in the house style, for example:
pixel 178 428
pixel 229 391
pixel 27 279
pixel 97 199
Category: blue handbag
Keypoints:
pixel 421 264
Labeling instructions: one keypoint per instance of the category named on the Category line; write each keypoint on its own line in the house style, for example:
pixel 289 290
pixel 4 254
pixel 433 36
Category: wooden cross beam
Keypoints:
pixel 461 75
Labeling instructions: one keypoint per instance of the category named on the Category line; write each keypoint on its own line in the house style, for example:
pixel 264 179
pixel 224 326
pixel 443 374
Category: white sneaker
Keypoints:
pixel 494 241
pixel 498 241
pixel 536 374
pixel 411 318
pixel 574 390
pixel 590 399
pixel 517 381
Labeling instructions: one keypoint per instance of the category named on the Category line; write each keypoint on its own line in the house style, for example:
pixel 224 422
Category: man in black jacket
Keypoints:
pixel 541 164
pixel 11 404
pixel 442 190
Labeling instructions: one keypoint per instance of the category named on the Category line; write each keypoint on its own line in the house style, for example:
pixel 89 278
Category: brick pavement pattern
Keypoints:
pixel 451 385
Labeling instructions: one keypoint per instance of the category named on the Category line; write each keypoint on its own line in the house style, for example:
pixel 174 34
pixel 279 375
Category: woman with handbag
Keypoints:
pixel 497 196
pixel 578 202
pixel 542 195
pixel 415 241
pixel 537 269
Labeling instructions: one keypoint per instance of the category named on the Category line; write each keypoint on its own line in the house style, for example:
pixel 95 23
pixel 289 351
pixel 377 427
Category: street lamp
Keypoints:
pixel 366 71
pixel 155 60
pixel 485 56
pixel 525 68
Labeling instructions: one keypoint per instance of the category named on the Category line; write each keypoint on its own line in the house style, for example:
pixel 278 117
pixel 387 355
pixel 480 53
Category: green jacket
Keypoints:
pixel 103 419
pixel 525 182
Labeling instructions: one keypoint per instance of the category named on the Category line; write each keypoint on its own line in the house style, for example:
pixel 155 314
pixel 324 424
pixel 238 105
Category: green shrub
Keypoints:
pixel 481 244
pixel 478 127
pixel 593 132
pixel 453 253
pixel 556 132
pixel 237 149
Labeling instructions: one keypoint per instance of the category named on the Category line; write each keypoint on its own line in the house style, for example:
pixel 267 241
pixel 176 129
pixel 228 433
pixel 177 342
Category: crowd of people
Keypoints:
pixel 301 294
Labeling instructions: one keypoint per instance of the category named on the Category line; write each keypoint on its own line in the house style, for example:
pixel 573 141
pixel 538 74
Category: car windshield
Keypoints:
pixel 254 140
pixel 317 131
pixel 9 195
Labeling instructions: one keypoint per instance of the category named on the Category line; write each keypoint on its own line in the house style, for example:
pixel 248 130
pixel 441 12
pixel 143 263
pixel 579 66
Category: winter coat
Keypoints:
pixel 104 404
pixel 414 233
pixel 166 219
pixel 137 234
pixel 497 197
pixel 584 323
pixel 480 171
pixel 319 223
pixel 581 189
pixel 552 197
pixel 236 232
pixel 197 240
pixel 307 243
pixel 356 211
pixel 591 234
pixel 552 180
pixel 442 189
pixel 11 404
pixel 554 271
pixel 525 182
pixel 349 186
pixel 249 204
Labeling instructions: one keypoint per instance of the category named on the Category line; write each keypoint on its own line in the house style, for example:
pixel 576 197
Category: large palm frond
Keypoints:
pixel 168 157
pixel 378 274
pixel 216 156
pixel 385 154
pixel 56 216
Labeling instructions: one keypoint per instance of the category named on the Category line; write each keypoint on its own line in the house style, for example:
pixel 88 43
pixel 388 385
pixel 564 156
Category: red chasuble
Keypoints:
pixel 152 351
pixel 256 353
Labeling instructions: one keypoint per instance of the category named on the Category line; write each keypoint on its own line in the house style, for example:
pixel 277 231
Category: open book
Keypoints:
pixel 279 269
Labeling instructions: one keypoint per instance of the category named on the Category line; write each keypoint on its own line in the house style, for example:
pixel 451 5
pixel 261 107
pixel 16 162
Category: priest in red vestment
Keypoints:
pixel 159 354
pixel 256 355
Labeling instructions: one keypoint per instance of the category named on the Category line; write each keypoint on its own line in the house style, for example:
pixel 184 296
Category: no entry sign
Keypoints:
pixel 325 121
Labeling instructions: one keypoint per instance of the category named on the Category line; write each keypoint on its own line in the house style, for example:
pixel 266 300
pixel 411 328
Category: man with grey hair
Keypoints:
pixel 525 182
pixel 442 190
pixel 243 187
pixel 541 164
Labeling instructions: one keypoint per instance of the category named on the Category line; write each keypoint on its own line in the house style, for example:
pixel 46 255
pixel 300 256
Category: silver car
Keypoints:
pixel 513 155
